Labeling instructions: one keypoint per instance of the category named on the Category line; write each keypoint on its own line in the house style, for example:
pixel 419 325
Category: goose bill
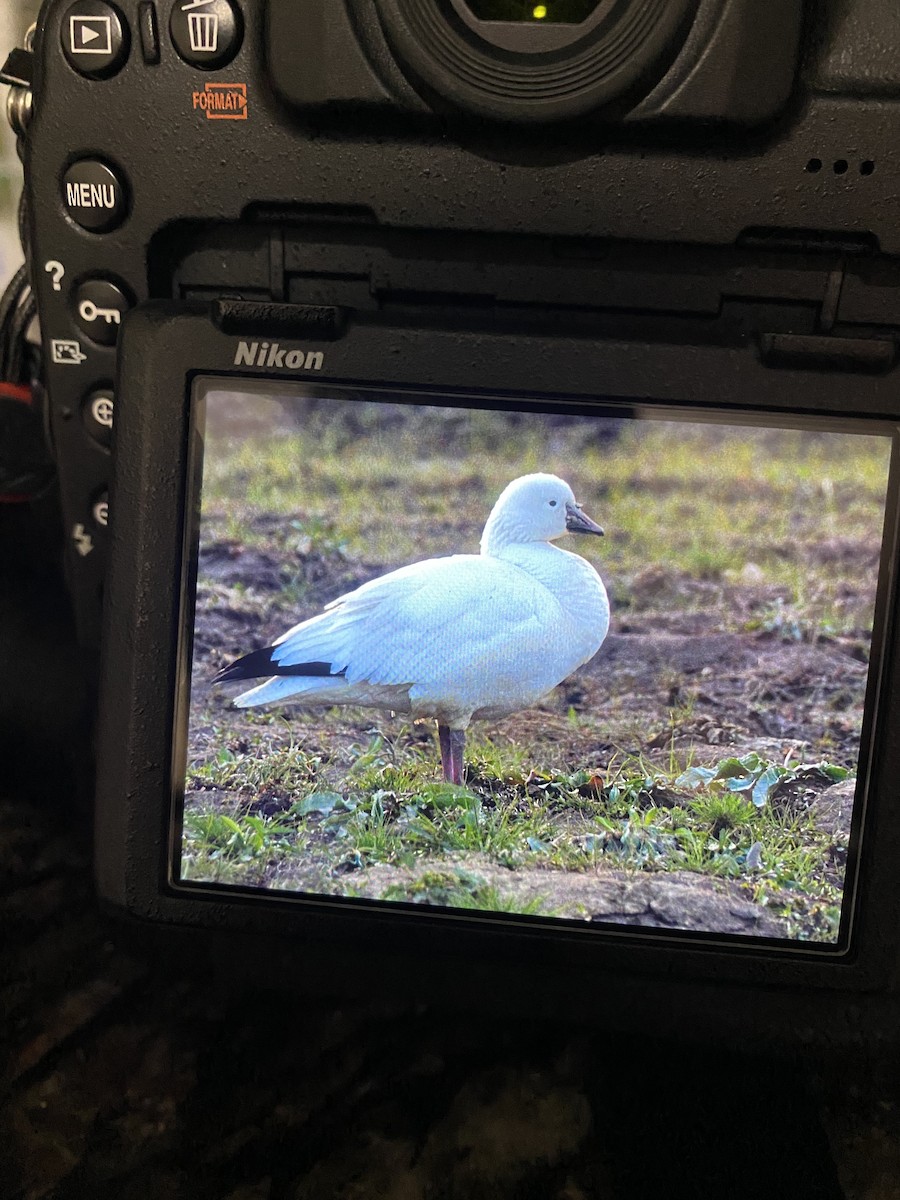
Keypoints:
pixel 579 522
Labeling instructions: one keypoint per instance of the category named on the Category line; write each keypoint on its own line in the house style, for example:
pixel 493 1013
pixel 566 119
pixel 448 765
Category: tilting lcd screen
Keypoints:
pixel 550 666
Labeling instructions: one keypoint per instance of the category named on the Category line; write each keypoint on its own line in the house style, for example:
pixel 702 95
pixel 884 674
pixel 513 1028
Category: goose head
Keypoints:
pixel 534 508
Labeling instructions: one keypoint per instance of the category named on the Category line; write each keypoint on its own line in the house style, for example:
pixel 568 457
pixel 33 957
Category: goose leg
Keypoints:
pixel 453 744
pixel 457 750
pixel 446 755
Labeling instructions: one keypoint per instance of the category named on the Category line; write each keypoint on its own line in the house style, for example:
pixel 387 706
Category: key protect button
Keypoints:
pixel 98 307
pixel 94 38
pixel 94 195
pixel 206 33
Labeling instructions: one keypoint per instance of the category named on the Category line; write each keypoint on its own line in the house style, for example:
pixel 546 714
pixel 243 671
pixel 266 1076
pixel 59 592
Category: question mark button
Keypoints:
pixel 57 270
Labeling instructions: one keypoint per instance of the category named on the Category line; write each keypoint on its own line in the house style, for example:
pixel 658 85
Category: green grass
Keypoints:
pixel 392 812
pixel 706 507
pixel 459 888
pixel 275 768
pixel 240 849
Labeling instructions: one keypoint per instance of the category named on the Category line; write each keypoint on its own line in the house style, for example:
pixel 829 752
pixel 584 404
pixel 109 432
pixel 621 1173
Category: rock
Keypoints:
pixel 659 900
pixel 833 808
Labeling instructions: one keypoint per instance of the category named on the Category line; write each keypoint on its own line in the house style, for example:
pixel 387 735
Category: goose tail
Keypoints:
pixel 316 689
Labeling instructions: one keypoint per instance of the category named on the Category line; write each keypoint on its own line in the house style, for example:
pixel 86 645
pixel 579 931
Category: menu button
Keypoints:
pixel 94 195
pixel 91 195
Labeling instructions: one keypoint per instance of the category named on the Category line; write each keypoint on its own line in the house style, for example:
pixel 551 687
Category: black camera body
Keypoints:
pixel 599 209
pixel 189 200
pixel 142 181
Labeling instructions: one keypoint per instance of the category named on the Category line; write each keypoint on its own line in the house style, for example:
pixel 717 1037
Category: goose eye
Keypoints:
pixel 553 504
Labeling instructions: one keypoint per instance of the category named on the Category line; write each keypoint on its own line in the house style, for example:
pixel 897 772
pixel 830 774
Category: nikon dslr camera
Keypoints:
pixel 361 321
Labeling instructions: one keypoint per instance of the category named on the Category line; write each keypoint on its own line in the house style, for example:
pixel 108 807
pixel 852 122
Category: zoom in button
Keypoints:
pixel 97 415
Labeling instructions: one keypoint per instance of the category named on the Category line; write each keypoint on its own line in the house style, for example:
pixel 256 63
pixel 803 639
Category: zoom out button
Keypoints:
pixel 100 510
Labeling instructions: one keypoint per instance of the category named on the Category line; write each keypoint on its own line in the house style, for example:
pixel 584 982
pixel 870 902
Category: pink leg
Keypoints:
pixel 453 744
pixel 457 749
pixel 446 756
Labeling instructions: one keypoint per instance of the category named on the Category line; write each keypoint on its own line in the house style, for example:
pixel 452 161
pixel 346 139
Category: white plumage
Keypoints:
pixel 456 638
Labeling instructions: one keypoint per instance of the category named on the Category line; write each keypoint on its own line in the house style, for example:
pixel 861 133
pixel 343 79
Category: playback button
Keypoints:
pixel 94 38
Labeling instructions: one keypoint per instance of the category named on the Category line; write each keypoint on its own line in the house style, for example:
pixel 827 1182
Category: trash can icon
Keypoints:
pixel 203 31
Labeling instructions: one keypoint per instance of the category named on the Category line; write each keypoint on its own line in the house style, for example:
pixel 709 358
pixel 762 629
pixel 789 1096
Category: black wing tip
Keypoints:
pixel 250 666
pixel 259 664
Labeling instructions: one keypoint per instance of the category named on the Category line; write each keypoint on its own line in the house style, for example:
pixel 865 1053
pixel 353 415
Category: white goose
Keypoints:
pixel 470 635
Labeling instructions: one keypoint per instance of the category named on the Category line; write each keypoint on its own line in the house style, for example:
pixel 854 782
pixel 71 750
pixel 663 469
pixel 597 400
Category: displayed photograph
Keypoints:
pixel 608 670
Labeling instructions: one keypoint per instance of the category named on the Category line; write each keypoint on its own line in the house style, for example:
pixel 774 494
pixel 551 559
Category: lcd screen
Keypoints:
pixel 613 669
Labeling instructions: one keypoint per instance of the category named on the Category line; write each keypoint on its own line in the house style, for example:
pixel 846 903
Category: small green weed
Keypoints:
pixel 220 848
pixel 754 778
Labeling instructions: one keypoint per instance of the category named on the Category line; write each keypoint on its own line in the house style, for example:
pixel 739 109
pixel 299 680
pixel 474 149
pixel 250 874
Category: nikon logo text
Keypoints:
pixel 270 354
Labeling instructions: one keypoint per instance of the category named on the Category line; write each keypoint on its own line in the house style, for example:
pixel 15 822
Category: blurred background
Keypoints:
pixel 15 18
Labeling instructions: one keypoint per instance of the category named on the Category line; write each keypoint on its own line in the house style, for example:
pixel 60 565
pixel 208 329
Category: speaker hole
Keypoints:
pixel 867 167
pixel 841 166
